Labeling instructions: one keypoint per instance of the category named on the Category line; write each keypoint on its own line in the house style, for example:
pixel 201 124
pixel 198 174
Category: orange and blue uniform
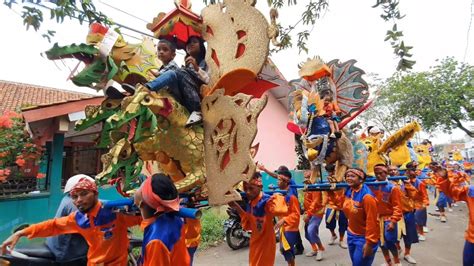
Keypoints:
pixel 460 191
pixel 104 231
pixel 360 207
pixel 314 210
pixel 290 229
pixel 389 207
pixel 192 234
pixel 334 213
pixel 420 201
pixel 408 193
pixel 163 241
pixel 258 218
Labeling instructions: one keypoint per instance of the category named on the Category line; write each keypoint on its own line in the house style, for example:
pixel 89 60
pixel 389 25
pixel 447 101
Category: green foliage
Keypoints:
pixel 441 98
pixel 33 16
pixel 212 223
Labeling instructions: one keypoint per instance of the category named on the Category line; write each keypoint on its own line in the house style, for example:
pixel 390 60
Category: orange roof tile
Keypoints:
pixel 15 95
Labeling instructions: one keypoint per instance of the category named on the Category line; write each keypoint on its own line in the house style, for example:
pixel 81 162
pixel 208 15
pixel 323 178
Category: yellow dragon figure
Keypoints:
pixel 394 150
pixel 423 154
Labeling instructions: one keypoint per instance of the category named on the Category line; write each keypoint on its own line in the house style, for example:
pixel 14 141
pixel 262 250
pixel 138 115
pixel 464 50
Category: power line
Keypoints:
pixel 468 31
pixel 125 12
pixel 118 24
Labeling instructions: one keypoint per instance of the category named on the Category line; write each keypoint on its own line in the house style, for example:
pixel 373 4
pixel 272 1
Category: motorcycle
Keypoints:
pixel 236 237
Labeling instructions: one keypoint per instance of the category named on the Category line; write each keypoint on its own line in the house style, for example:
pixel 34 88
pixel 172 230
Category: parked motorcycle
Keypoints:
pixel 235 236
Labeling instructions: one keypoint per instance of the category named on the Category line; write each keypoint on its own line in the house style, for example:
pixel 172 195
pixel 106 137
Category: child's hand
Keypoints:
pixel 191 61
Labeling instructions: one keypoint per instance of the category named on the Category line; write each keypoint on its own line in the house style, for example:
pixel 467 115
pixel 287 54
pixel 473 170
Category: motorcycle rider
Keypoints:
pixel 70 247
pixel 258 217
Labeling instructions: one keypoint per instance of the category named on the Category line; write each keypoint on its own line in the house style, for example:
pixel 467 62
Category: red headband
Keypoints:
pixel 154 201
pixel 84 184
pixel 357 172
pixel 256 182
pixel 383 167
pixel 284 178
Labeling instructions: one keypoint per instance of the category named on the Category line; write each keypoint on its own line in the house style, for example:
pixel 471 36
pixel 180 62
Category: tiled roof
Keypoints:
pixel 15 95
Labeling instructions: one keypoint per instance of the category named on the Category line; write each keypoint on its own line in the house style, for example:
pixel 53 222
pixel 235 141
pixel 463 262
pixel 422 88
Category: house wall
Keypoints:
pixel 277 146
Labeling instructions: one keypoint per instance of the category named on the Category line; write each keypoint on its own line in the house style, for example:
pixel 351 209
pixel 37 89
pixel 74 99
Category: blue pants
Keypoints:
pixel 180 86
pixel 191 252
pixel 311 230
pixel 390 237
pixel 442 200
pixel 468 254
pixel 356 250
pixel 421 217
pixel 331 225
pixel 292 238
pixel 411 235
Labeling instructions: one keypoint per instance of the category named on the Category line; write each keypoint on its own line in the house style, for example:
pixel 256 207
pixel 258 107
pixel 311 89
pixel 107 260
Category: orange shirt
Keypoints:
pixel 164 241
pixel 104 231
pixel 360 208
pixel 420 198
pixel 461 192
pixel 192 232
pixel 292 217
pixel 336 200
pixel 313 203
pixel 259 219
pixel 408 193
pixel 389 203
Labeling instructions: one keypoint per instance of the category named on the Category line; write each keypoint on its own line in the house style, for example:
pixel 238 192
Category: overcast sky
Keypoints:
pixel 348 30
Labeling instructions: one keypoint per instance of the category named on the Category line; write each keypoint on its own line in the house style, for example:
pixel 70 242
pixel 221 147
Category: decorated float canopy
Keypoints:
pixel 178 25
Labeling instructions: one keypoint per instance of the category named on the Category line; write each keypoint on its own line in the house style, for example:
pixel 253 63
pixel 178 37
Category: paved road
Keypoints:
pixel 443 246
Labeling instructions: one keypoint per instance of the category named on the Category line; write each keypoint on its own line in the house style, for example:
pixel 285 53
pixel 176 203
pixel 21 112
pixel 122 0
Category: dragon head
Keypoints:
pixel 371 143
pixel 122 62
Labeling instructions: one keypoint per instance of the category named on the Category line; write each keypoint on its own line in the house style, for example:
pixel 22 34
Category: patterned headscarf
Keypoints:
pixel 154 201
pixel 84 184
pixel 357 172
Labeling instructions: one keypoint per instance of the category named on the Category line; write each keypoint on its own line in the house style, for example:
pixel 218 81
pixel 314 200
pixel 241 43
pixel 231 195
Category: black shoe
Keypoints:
pixel 128 88
pixel 112 93
pixel 299 251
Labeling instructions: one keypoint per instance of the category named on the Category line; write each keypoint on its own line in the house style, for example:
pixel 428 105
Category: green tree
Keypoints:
pixel 86 11
pixel 441 98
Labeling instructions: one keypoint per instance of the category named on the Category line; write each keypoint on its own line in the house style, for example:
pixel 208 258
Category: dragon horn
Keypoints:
pixel 354 115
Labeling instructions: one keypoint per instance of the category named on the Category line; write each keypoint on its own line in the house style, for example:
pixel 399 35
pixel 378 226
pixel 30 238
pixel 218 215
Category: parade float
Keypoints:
pixel 145 131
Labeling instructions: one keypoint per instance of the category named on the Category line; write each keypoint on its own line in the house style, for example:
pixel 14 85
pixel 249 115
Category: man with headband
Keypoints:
pixel 163 243
pixel 360 207
pixel 288 224
pixel 420 199
pixel 104 231
pixel 409 232
pixel 334 214
pixel 258 217
pixel 389 208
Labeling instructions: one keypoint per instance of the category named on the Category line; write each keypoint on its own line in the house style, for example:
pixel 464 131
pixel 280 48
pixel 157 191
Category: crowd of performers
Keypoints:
pixel 371 216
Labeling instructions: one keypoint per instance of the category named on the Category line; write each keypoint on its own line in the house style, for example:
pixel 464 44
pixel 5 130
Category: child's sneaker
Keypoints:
pixel 194 118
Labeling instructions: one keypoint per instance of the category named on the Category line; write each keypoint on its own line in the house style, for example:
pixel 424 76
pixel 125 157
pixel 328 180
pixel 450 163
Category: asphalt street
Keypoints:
pixel 443 246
